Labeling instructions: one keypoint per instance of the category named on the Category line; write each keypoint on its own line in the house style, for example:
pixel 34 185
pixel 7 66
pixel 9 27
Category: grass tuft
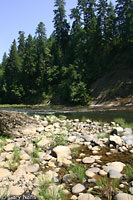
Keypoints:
pixel 48 190
pixel 107 187
pixel 128 170
pixel 77 171
pixel 15 162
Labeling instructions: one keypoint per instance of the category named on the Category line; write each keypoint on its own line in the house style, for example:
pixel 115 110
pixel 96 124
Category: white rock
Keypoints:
pixel 102 173
pixel 119 129
pixel 117 166
pixel 116 139
pixel 78 188
pixel 72 139
pixel 40 129
pixel 32 168
pixel 86 197
pixel 90 174
pixel 63 154
pixel 15 190
pixel 114 174
pixel 88 160
pixel 9 147
pixel 123 196
pixel 73 197
pixel 94 169
pixel 43 143
pixel 127 131
pixel 44 123
pixel 30 130
pixel 4 173
pixel 24 155
pixel 29 149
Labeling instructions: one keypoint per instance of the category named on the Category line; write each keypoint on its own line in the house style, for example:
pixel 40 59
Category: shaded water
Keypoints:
pixel 105 115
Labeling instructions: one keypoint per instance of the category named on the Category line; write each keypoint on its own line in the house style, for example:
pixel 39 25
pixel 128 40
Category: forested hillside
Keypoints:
pixel 63 67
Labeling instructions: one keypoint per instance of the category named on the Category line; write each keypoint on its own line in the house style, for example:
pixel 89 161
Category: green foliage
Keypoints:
pixel 15 162
pixel 61 69
pixel 122 122
pixel 107 187
pixel 49 191
pixel 1 146
pixel 105 135
pixel 128 170
pixel 75 151
pixel 35 156
pixel 58 140
pixel 62 117
pixel 77 172
pixel 68 126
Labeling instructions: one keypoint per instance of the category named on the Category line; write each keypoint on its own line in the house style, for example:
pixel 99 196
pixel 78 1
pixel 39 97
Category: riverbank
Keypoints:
pixel 69 158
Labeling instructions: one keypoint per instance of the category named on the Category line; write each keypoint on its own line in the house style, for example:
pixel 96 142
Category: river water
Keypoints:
pixel 100 114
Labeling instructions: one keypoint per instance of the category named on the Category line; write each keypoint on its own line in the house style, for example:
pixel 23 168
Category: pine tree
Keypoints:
pixel 21 44
pixel 12 76
pixel 110 24
pixel 101 17
pixel 29 69
pixel 61 33
pixel 124 9
pixel 60 23
pixel 41 41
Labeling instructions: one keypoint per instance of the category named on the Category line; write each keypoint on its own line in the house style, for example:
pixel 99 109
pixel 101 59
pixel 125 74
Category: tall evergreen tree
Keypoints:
pixel 60 23
pixel 21 44
pixel 61 32
pixel 12 76
pixel 101 17
pixel 40 56
pixel 29 69
pixel 110 23
pixel 124 10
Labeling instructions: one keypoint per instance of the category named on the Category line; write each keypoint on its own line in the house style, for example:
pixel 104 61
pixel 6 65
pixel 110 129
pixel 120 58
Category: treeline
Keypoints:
pixel 62 68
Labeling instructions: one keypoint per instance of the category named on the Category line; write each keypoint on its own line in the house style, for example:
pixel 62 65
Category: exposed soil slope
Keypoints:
pixel 114 88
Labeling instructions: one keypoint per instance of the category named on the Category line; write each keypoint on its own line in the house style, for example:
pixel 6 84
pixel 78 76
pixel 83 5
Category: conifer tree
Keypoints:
pixel 29 69
pixel 21 44
pixel 40 56
pixel 61 32
pixel 12 76
pixel 124 10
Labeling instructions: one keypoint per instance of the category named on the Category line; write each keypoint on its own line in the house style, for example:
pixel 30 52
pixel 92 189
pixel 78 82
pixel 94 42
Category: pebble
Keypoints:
pixel 90 174
pixel 88 160
pixel 131 190
pixel 78 188
pixel 86 197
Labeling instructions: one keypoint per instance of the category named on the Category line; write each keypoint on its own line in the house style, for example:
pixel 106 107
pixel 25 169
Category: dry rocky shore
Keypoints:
pixel 54 158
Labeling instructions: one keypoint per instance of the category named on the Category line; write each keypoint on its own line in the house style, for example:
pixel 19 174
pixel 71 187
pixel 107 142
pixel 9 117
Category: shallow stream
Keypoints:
pixel 83 113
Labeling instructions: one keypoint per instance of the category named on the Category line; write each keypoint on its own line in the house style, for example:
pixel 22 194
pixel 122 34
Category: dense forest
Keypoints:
pixel 62 68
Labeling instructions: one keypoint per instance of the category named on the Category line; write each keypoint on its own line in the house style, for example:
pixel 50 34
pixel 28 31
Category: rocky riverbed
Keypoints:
pixel 60 159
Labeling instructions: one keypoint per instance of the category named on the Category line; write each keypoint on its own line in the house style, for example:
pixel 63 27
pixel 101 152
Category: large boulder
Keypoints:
pixel 63 154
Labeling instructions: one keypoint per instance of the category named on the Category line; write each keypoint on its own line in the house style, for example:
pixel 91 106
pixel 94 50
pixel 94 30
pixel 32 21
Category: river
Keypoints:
pixel 96 114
